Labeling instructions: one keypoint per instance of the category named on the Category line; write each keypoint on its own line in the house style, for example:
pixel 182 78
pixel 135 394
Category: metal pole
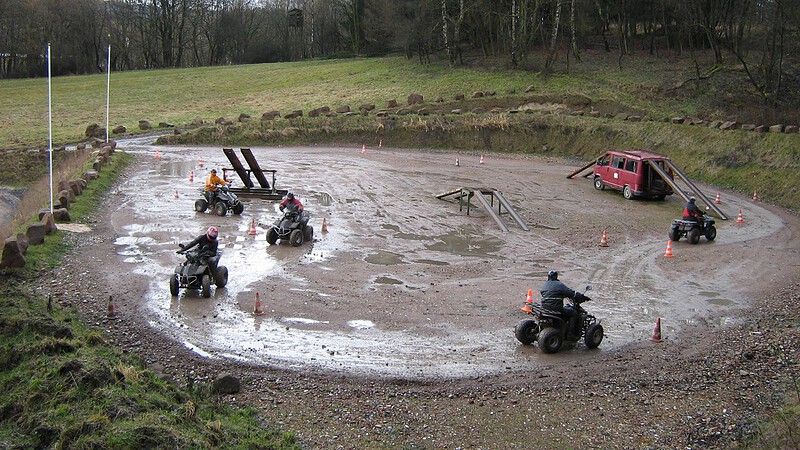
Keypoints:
pixel 50 123
pixel 108 86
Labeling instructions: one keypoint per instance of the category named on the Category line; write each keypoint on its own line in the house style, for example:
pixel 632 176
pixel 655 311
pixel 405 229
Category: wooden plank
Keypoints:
pixel 257 172
pixel 238 167
pixel 511 210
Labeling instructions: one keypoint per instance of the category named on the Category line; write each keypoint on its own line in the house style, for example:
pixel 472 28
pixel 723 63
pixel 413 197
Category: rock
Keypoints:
pixel 490 93
pixel 343 109
pixel 439 99
pixel 226 384
pixel 391 103
pixel 22 241
pixel 714 124
pixel 96 131
pixel 762 129
pixel 367 107
pixel 790 129
pixel 313 113
pixel 91 174
pixel 415 99
pixel 145 125
pixel 244 117
pixel 677 120
pixel 12 254
pixel 728 125
pixel 63 199
pixel 459 97
pixel 35 233
pixel 530 88
pixel 166 125
pixel 477 94
pixel 748 127
pixel 49 223
pixel 270 115
pixel 61 215
pixel 621 116
pixel 457 111
pixel 423 112
pixel 511 91
pixel 198 121
pixel 776 128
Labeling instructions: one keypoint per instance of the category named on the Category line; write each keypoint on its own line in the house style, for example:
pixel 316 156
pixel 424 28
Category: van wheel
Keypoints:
pixel 627 192
pixel 598 184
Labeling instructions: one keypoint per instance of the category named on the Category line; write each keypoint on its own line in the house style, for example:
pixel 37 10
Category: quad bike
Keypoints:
pixel 225 201
pixel 292 227
pixel 549 328
pixel 692 230
pixel 197 272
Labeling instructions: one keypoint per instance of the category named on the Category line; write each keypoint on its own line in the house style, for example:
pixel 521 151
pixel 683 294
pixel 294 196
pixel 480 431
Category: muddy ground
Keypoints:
pixel 394 329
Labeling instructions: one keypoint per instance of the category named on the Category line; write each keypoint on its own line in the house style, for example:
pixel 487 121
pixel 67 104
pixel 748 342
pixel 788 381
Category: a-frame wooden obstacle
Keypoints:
pixel 266 190
pixel 465 194
pixel 690 190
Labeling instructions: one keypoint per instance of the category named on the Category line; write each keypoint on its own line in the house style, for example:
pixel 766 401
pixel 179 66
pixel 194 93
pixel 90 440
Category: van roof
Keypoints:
pixel 639 154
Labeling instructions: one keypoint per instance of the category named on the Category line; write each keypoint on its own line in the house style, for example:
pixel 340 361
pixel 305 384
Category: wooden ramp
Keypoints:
pixel 266 191
pixel 693 189
pixel 464 195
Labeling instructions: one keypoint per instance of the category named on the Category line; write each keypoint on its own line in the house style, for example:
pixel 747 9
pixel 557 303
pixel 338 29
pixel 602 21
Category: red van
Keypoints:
pixel 632 172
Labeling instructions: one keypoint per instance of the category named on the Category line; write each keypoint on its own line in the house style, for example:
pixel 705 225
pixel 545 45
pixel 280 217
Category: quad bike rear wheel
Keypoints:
pixel 527 331
pixel 220 209
pixel 238 208
pixel 308 233
pixel 221 279
pixel 674 234
pixel 694 235
pixel 296 238
pixel 200 205
pixel 550 340
pixel 173 285
pixel 205 289
pixel 272 236
pixel 594 336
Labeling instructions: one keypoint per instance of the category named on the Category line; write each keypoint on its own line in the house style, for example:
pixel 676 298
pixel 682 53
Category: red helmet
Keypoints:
pixel 212 233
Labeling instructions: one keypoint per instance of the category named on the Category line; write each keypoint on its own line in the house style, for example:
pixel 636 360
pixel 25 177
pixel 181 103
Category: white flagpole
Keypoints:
pixel 108 86
pixel 50 123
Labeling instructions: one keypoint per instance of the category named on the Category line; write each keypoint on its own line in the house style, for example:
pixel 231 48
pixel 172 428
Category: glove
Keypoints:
pixel 282 208
pixel 182 246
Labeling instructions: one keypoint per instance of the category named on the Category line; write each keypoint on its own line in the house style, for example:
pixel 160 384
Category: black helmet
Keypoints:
pixel 213 170
pixel 692 199
pixel 290 196
pixel 552 275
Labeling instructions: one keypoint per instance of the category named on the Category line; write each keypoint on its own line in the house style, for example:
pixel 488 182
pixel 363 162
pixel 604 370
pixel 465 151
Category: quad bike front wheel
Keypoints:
pixel 694 235
pixel 550 340
pixel 272 236
pixel 173 285
pixel 674 234
pixel 527 331
pixel 220 209
pixel 205 286
pixel 238 208
pixel 296 238
pixel 308 233
pixel 711 232
pixel 221 279
pixel 594 336
pixel 200 205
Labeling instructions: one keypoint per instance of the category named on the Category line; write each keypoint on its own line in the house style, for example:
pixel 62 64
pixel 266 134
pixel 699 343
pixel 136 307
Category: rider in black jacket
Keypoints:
pixel 207 244
pixel 553 294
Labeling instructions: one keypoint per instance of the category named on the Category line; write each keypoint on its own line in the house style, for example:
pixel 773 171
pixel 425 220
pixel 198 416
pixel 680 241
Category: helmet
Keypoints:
pixel 212 233
pixel 290 196
pixel 213 170
pixel 552 275
pixel 692 199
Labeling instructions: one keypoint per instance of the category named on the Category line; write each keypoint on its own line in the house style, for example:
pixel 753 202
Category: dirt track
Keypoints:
pixel 395 328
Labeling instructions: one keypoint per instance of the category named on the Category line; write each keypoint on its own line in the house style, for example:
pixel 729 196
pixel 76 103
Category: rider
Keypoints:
pixel 206 243
pixel 291 199
pixel 692 212
pixel 211 186
pixel 553 294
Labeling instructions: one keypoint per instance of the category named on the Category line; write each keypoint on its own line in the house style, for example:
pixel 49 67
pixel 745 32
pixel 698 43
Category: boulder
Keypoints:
pixel 313 113
pixel 490 93
pixel 226 384
pixel 145 125
pixel 415 99
pixel 63 199
pixel 22 241
pixel 244 117
pixel 12 254
pixel 790 129
pixel 530 88
pixel 728 125
pixel 270 115
pixel 477 94
pixel 119 129
pixel 81 146
pixel 35 233
pixel 49 223
pixel 391 103
pixel 367 107
pixel 96 131
pixel 61 215
pixel 166 125
pixel 97 165
pixel 439 99
pixel 776 128
pixel 748 127
pixel 423 112
pixel 198 121
pixel 91 174
pixel 343 109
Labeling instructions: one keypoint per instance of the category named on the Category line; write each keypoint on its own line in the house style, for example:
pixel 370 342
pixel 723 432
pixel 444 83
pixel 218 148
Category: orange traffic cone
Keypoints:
pixel 717 200
pixel 755 197
pixel 363 149
pixel 324 225
pixel 257 310
pixel 252 231
pixel 191 177
pixel 668 253
pixel 656 337
pixel 481 161
pixel 529 298
pixel 740 218
pixel 176 195
pixel 157 154
pixel 604 240
pixel 111 310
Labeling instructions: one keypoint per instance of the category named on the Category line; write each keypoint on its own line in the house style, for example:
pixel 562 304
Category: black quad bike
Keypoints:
pixel 692 230
pixel 225 201
pixel 549 328
pixel 292 227
pixel 198 272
